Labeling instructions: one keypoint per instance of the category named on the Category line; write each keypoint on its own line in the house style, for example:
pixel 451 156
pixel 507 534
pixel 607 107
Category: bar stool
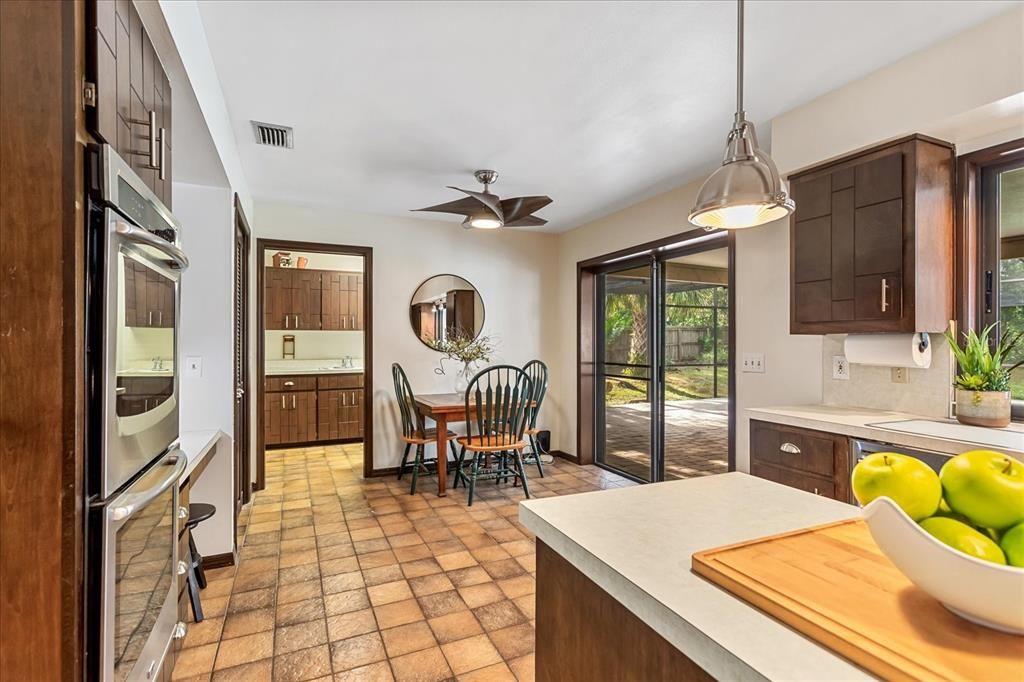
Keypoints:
pixel 197 513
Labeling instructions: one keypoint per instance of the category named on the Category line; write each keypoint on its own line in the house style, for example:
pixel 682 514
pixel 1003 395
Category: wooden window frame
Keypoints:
pixel 974 247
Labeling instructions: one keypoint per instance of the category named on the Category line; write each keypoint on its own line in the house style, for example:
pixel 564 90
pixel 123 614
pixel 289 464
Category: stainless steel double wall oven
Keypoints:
pixel 134 466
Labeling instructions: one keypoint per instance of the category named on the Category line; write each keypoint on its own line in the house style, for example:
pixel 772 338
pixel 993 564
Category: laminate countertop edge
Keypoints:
pixel 856 422
pixel 648 571
pixel 198 446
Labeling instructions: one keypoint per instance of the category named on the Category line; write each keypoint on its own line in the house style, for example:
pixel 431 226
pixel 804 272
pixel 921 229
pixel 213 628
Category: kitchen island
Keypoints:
pixel 616 599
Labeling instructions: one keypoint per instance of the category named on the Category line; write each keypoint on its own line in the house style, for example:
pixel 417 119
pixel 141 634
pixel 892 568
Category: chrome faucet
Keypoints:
pixel 158 364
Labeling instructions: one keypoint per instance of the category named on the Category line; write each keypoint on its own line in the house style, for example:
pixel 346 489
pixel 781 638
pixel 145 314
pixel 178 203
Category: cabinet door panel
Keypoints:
pixel 812 197
pixel 304 408
pixel 794 479
pixel 305 298
pixel 106 87
pixel 328 405
pixel 276 296
pixel 812 250
pixel 878 237
pixel 272 413
pixel 813 301
pixel 135 32
pixel 334 302
pixel 842 245
pixel 124 82
pixel 879 180
pixel 870 290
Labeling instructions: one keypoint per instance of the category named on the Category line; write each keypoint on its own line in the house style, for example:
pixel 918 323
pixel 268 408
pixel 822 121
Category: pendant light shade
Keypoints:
pixel 747 190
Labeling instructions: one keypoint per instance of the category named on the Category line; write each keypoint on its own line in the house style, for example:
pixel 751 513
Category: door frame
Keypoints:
pixel 262 245
pixel 242 319
pixel 588 334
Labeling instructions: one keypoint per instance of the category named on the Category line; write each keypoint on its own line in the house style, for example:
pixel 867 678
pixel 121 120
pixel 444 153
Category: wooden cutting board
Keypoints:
pixel 832 584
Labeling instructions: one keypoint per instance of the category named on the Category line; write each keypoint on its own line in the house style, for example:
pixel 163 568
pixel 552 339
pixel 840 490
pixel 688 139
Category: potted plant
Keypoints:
pixel 465 348
pixel 983 384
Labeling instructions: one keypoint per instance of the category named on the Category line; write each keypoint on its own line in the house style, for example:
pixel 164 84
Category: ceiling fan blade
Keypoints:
pixel 491 201
pixel 518 207
pixel 527 221
pixel 464 206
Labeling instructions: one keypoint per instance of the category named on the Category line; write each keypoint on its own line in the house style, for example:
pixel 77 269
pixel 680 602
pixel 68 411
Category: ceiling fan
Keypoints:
pixel 487 211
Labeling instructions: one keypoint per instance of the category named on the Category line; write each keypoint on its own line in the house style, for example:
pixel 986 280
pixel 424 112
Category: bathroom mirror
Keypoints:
pixel 445 306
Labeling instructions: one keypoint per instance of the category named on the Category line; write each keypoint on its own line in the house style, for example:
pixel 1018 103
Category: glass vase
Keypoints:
pixel 463 376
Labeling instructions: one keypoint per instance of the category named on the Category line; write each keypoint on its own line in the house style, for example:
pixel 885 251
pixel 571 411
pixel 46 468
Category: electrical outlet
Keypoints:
pixel 840 368
pixel 753 362
pixel 194 366
pixel 900 375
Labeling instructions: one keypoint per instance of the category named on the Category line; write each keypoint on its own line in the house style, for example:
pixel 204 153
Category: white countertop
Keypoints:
pixel 323 366
pixel 146 373
pixel 860 422
pixel 636 544
pixel 197 446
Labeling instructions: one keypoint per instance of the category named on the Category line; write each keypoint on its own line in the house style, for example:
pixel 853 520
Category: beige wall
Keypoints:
pixel 512 270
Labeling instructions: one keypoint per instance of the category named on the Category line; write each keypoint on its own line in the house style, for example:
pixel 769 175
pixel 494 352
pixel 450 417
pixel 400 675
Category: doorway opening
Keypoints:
pixel 314 349
pixel 240 313
pixel 657 382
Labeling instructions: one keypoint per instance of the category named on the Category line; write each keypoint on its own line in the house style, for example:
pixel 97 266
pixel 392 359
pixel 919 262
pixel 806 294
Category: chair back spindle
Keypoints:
pixel 537 372
pixel 412 420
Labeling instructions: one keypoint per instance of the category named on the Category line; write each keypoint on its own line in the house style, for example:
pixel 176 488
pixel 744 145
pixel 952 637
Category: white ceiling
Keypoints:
pixel 597 104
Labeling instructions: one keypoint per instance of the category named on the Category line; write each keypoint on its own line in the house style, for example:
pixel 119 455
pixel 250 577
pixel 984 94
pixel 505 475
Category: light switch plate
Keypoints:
pixel 753 362
pixel 194 366
pixel 840 368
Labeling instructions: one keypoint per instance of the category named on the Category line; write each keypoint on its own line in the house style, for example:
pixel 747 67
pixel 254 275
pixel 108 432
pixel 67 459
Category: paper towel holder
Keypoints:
pixel 923 341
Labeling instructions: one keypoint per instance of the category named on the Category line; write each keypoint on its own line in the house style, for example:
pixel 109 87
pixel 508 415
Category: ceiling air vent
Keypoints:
pixel 273 135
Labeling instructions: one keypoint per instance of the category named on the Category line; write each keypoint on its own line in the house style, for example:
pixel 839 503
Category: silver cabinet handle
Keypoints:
pixel 816 492
pixel 163 154
pixel 293 401
pixel 286 317
pixel 182 568
pixel 282 401
pixel 155 152
pixel 296 321
pixel 353 321
pixel 885 294
pixel 289 383
pixel 160 318
pixel 789 448
pixel 150 318
pixel 344 402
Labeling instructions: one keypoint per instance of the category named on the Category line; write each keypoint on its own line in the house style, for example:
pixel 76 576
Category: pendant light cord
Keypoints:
pixel 739 60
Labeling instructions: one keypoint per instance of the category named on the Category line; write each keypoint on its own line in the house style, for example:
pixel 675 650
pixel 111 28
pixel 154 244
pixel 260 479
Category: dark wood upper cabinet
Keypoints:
pixel 149 297
pixel 130 82
pixel 292 298
pixel 342 303
pixel 871 241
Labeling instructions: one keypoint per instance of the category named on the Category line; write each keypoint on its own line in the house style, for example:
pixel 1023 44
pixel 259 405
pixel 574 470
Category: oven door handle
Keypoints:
pixel 135 501
pixel 179 261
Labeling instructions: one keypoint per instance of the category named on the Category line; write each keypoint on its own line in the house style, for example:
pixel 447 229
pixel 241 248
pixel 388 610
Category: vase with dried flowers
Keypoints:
pixel 464 348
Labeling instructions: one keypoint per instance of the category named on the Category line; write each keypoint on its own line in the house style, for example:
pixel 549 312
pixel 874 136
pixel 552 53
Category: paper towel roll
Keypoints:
pixel 889 350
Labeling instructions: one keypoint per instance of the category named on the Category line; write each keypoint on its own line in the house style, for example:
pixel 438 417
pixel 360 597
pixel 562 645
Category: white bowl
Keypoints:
pixel 982 592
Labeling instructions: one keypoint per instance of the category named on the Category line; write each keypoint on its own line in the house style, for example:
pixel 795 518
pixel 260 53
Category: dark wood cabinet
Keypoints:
pixel 814 461
pixel 307 408
pixel 131 91
pixel 292 298
pixel 871 241
pixel 342 301
pixel 137 395
pixel 149 297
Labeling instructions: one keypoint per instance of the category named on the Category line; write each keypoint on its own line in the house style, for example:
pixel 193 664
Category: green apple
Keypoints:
pixel 1013 545
pixel 985 486
pixel 962 537
pixel 909 482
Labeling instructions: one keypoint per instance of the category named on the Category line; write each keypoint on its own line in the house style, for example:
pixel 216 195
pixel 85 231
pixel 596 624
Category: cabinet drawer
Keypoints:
pixel 795 479
pixel 290 383
pixel 339 381
pixel 808 451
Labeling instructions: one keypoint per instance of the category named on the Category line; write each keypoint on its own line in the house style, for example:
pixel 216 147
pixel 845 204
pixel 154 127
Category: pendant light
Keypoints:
pixel 746 191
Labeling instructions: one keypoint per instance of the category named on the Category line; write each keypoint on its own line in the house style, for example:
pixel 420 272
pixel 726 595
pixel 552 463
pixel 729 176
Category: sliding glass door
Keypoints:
pixel 662 362
pixel 625 416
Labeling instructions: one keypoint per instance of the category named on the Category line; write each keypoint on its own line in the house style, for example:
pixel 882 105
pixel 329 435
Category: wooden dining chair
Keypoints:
pixel 537 371
pixel 496 403
pixel 414 431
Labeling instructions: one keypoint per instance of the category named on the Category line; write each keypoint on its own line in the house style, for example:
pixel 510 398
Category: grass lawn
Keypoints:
pixel 683 383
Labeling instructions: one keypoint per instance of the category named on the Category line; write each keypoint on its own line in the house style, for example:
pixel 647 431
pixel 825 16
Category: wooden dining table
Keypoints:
pixel 444 409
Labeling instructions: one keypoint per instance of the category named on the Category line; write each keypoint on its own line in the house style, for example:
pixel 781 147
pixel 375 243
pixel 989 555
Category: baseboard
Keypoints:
pixel 386 471
pixel 564 455
pixel 213 561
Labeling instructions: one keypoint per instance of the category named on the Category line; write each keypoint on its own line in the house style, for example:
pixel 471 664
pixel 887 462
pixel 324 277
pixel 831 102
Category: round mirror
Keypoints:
pixel 445 307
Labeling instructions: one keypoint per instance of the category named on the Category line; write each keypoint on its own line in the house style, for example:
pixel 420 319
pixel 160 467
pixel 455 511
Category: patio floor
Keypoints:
pixel 696 438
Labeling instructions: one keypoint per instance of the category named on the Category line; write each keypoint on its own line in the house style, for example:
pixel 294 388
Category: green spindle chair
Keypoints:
pixel 538 373
pixel 496 415
pixel 413 428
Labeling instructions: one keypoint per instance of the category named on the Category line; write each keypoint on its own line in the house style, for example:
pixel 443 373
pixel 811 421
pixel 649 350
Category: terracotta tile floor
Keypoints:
pixel 342 578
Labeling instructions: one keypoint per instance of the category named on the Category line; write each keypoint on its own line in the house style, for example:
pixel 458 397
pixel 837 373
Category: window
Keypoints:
pixel 991 227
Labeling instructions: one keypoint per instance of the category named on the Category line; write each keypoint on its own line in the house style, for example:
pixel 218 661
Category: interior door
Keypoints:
pixel 626 407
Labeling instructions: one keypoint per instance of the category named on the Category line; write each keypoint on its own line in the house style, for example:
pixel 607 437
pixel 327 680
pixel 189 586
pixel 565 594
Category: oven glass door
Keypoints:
pixel 142 320
pixel 140 582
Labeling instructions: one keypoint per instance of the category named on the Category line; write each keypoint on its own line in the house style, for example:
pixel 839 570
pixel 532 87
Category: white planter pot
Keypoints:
pixel 983 408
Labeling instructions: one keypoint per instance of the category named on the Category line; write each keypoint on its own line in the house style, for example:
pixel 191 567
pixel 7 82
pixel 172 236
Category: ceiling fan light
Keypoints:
pixel 482 222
